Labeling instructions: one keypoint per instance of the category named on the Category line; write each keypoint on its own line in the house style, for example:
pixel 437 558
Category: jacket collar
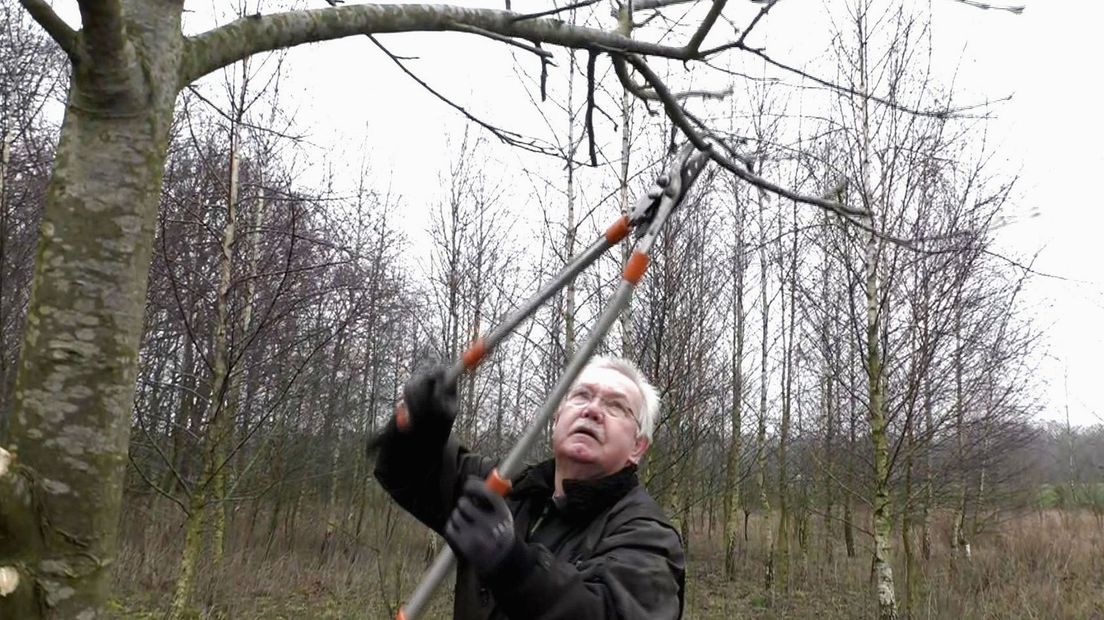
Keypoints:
pixel 583 499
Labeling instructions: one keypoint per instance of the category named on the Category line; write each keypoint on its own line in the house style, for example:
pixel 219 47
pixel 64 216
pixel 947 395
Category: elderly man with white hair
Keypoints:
pixel 577 537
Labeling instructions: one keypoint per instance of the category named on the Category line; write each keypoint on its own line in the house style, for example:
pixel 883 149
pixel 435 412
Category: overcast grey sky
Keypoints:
pixel 1050 134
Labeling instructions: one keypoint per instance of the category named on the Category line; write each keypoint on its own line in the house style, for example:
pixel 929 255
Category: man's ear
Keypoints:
pixel 639 449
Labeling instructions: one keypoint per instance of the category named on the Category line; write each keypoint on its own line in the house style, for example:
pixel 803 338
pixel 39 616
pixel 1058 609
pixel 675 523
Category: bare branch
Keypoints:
pixel 758 16
pixel 648 94
pixel 54 25
pixel 707 24
pixel 939 114
pixel 243 37
pixel 680 119
pixel 591 61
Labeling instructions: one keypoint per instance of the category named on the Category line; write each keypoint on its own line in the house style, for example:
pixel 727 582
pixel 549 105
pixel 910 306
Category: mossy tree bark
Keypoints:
pixel 74 388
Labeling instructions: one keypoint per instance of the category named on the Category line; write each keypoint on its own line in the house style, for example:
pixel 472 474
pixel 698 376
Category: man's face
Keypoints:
pixel 595 432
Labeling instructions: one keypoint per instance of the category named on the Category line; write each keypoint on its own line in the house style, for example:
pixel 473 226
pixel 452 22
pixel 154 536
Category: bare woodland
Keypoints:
pixel 195 344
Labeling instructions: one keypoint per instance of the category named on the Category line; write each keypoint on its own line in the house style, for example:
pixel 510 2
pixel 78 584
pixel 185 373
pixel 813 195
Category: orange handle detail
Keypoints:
pixel 474 354
pixel 618 230
pixel 495 482
pixel 402 417
pixel 635 268
pixel 401 615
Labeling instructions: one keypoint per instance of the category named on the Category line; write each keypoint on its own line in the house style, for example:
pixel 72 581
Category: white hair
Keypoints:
pixel 646 417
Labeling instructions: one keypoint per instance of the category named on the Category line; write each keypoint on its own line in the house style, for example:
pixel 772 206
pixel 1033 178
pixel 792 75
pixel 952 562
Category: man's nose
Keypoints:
pixel 594 410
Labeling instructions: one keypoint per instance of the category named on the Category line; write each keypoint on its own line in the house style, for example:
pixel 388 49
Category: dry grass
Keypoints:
pixel 1035 565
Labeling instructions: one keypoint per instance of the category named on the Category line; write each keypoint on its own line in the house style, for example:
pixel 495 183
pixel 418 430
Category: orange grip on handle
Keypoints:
pixel 496 483
pixel 401 615
pixel 474 354
pixel 618 230
pixel 635 268
pixel 402 417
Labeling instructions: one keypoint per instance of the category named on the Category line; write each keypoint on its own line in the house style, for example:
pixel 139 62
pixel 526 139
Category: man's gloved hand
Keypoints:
pixel 430 402
pixel 481 528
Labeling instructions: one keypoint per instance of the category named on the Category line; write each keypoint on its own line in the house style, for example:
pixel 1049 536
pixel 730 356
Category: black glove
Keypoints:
pixel 430 401
pixel 481 528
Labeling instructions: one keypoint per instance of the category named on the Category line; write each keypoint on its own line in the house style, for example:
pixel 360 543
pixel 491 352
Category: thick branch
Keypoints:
pixel 104 33
pixel 240 39
pixel 680 119
pixel 54 26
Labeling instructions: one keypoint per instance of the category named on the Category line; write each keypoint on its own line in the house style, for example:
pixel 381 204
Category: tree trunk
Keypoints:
pixel 74 387
pixel 625 26
pixel 761 436
pixel 848 515
pixel 960 547
pixel 882 517
pixel 882 566
pixel 732 484
pixel 569 222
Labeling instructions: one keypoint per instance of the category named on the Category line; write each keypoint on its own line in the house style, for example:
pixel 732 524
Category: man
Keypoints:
pixel 577 537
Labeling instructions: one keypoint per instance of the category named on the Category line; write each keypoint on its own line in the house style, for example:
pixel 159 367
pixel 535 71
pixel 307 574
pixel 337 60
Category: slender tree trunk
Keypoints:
pixel 220 421
pixel 761 436
pixel 882 517
pixel 625 26
pixel 5 161
pixel 852 444
pixel 960 547
pixel 569 223
pixel 782 564
pixel 829 396
pixel 732 483
pixel 925 526
pixel 929 428
pixel 906 525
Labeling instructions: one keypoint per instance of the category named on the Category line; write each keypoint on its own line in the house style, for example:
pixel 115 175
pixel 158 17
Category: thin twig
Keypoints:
pixel 494 36
pixel 505 135
pixel 155 487
pixel 939 114
pixel 758 16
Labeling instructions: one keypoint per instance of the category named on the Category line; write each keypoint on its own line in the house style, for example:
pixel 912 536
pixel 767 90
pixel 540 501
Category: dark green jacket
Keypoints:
pixel 604 550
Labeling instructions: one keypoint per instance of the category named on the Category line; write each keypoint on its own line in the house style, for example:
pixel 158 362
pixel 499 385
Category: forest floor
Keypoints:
pixel 1038 564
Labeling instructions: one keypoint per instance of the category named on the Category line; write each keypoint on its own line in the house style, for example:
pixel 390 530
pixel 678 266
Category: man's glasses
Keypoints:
pixel 613 406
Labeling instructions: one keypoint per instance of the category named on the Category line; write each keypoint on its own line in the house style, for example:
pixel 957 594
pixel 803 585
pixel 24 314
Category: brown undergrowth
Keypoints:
pixel 1038 564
